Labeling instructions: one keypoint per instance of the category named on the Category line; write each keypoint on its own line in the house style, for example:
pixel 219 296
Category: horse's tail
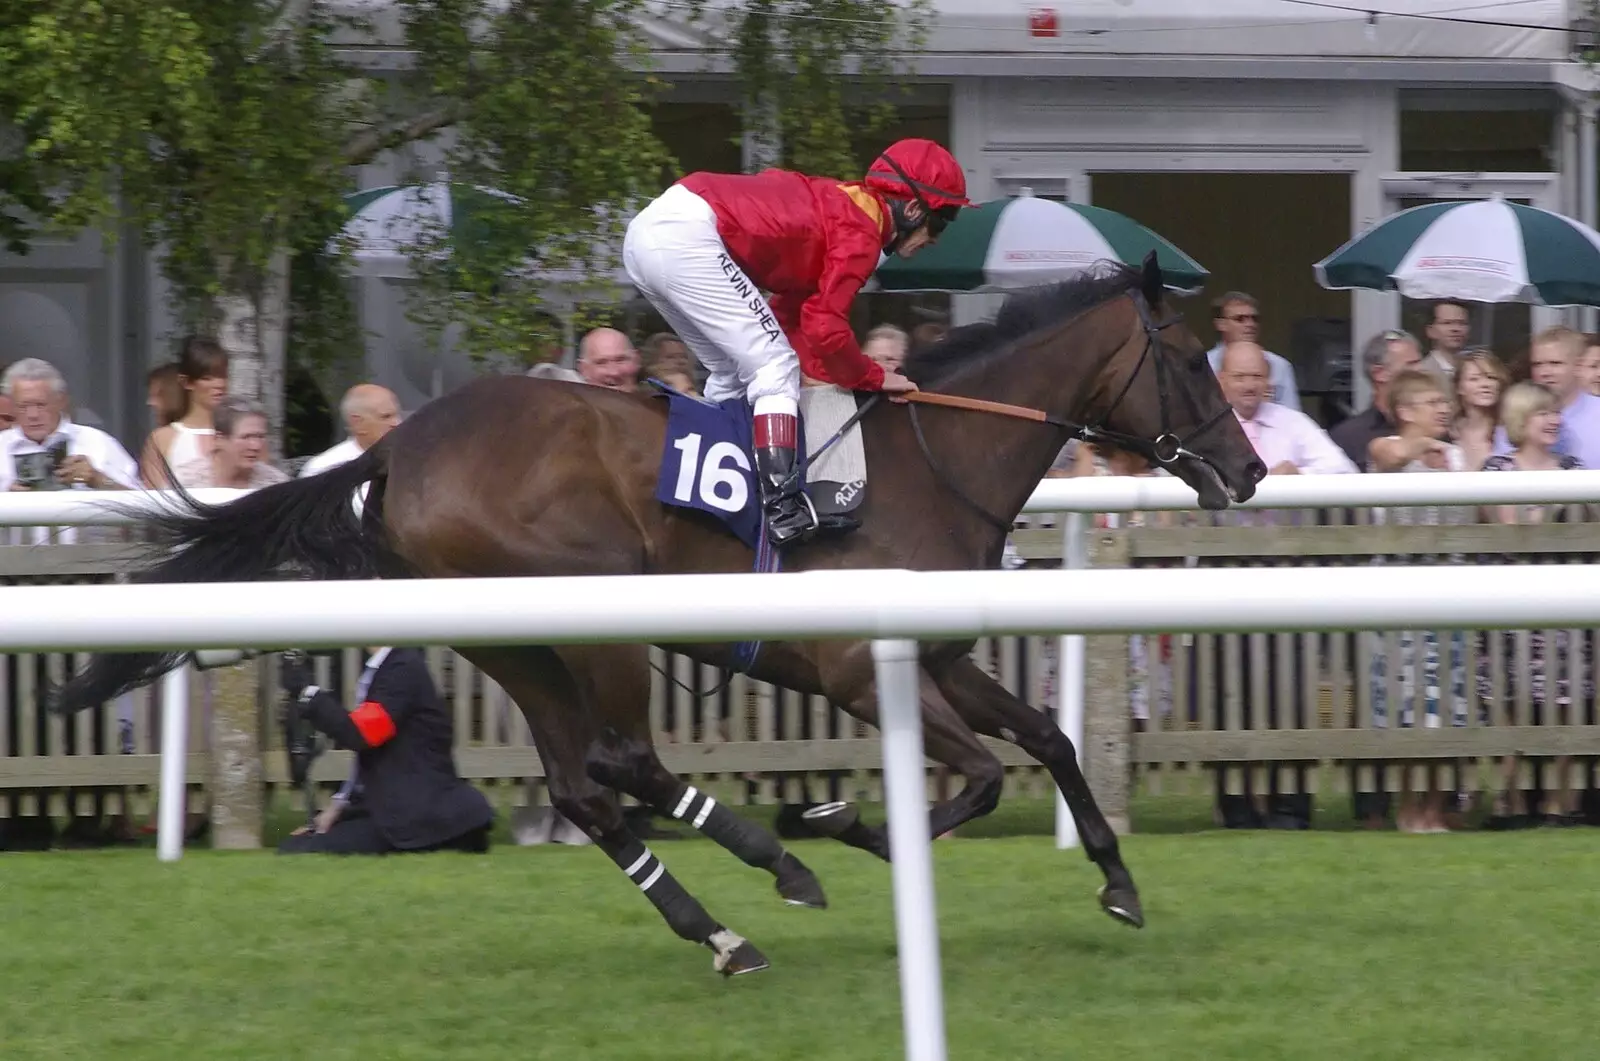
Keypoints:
pixel 308 526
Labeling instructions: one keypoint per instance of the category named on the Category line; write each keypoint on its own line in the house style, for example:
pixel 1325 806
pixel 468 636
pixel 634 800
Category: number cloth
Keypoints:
pixel 706 465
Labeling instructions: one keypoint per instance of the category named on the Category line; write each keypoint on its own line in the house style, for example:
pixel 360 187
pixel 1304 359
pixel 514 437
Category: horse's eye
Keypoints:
pixel 1199 362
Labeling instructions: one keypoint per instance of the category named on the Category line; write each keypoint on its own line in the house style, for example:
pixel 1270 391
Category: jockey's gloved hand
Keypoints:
pixel 295 673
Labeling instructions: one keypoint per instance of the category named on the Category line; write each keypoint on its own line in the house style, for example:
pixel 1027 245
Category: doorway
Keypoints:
pixel 1259 233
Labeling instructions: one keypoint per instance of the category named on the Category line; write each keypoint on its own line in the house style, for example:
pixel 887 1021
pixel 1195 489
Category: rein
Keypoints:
pixel 1165 449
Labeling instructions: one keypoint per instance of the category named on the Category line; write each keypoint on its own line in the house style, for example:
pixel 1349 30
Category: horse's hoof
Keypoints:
pixel 744 958
pixel 831 819
pixel 1122 904
pixel 798 886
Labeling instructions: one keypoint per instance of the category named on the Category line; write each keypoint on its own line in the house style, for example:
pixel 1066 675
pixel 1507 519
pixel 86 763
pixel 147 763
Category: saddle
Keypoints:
pixel 706 462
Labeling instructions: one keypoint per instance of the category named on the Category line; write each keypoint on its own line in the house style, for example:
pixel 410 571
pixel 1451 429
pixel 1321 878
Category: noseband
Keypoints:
pixel 1166 449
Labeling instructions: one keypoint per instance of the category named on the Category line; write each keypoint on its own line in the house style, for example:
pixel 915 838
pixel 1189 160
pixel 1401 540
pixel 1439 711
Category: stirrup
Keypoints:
pixel 791 518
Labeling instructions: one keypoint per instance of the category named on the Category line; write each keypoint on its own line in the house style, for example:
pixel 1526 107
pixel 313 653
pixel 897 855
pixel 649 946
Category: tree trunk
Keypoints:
pixel 1107 727
pixel 761 143
pixel 253 327
pixel 235 783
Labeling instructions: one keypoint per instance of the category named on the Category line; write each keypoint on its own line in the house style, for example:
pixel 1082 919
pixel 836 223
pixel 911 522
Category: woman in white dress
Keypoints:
pixel 203 374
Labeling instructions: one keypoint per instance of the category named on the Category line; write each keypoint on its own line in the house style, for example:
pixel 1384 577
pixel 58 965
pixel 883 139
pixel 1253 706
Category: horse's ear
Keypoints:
pixel 1153 288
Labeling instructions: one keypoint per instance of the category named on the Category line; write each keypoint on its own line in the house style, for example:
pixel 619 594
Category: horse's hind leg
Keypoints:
pixel 616 680
pixel 988 708
pixel 564 731
pixel 849 682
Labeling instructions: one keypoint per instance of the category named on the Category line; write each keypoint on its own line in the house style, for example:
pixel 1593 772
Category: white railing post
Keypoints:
pixel 173 800
pixel 1071 674
pixel 905 790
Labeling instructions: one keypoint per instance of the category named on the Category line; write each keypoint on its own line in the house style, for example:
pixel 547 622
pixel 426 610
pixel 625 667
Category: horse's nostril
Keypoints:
pixel 1256 471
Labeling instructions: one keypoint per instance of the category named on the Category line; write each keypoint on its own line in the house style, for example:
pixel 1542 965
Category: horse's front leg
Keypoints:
pixel 986 706
pixel 848 681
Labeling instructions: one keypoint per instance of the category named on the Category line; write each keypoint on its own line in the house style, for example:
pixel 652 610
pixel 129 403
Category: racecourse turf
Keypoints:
pixel 1270 945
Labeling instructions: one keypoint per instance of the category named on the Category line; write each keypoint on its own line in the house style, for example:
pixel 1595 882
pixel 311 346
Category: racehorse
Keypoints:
pixel 520 476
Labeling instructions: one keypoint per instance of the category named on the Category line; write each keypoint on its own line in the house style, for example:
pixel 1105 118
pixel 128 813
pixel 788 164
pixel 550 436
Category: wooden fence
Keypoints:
pixel 1278 711
pixel 1258 707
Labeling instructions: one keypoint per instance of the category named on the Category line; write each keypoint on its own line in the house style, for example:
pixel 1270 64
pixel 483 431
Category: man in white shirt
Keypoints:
pixel 92 459
pixel 369 412
pixel 1237 318
pixel 47 451
pixel 1288 441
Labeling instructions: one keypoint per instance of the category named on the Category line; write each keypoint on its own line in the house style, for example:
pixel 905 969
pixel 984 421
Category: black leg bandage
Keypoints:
pixel 682 912
pixel 750 843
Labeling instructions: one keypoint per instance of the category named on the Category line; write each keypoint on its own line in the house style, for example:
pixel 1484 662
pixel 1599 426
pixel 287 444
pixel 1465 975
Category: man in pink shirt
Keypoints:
pixel 1288 441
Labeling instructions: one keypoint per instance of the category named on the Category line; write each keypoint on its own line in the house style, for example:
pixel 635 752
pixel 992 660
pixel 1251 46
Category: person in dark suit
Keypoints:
pixel 410 798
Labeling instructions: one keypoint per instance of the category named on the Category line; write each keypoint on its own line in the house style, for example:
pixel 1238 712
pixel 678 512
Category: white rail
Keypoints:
pixel 95 508
pixel 813 604
pixel 893 607
pixel 1115 493
pixel 1097 494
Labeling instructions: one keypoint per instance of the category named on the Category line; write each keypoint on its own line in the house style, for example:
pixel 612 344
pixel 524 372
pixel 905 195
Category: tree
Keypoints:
pixel 224 132
pixel 548 113
pixel 213 127
pixel 822 71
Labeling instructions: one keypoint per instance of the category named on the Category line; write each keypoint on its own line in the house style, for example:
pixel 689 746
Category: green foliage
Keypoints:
pixel 171 116
pixel 223 130
pixel 22 198
pixel 60 58
pixel 553 127
pixel 811 63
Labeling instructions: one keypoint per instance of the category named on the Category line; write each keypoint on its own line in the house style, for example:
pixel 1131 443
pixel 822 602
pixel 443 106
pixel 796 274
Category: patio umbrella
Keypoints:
pixel 1019 242
pixel 1480 251
pixel 385 221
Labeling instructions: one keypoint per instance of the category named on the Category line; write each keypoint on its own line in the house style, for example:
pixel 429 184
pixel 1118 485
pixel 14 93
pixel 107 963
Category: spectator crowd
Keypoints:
pixel 1438 404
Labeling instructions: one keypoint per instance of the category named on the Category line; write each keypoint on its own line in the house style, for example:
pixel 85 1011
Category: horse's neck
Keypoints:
pixel 1005 456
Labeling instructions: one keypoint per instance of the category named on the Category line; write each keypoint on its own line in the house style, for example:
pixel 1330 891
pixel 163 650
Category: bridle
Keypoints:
pixel 1165 450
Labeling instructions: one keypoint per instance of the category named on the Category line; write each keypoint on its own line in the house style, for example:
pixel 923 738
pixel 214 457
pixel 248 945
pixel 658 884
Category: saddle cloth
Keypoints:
pixel 706 462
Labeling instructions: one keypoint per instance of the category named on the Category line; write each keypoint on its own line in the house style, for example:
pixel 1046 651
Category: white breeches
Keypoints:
pixel 676 258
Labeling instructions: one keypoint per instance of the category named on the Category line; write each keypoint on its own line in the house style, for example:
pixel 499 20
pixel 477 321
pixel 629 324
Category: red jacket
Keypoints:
pixel 812 242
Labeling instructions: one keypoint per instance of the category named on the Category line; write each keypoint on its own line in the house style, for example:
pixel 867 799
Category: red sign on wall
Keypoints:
pixel 1042 22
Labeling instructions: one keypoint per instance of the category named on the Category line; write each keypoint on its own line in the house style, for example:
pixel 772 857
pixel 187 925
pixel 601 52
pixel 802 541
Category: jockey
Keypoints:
pixel 706 249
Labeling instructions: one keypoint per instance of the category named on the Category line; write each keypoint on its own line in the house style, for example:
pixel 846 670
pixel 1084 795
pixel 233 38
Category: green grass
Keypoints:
pixel 1267 945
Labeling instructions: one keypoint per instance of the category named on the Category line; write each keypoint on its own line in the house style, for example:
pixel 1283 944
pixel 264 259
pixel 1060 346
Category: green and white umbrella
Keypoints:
pixel 1019 242
pixel 384 222
pixel 1480 251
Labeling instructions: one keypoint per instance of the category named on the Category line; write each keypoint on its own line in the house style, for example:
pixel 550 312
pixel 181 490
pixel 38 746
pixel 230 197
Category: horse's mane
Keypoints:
pixel 1023 313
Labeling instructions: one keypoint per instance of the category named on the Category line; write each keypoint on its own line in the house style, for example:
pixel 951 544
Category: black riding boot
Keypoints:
pixel 788 512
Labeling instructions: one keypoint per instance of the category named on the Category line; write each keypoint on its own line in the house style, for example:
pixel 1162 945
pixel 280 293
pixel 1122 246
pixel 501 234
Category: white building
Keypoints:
pixel 1256 134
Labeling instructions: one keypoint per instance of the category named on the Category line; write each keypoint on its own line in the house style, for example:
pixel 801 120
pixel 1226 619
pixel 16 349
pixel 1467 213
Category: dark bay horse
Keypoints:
pixel 519 476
